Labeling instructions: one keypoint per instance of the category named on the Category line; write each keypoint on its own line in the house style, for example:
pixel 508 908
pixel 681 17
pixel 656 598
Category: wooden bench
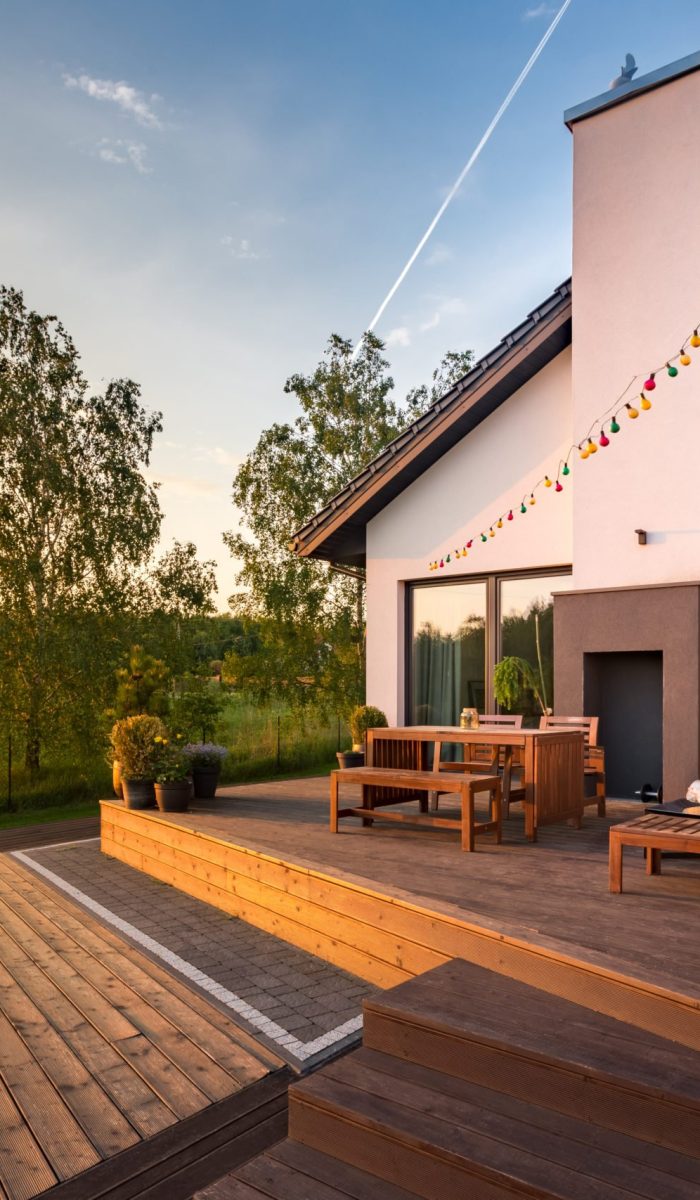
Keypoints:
pixel 654 833
pixel 416 783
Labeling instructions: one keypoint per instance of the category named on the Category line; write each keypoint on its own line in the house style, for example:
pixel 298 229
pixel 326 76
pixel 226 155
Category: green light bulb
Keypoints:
pixel 614 427
pixel 673 371
pixel 523 508
pixel 565 469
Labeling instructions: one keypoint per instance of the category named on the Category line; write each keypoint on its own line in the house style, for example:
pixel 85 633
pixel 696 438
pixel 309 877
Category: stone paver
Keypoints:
pixel 305 995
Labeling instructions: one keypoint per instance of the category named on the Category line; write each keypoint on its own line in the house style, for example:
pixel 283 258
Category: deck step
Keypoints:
pixel 438 1136
pixel 290 1171
pixel 497 1032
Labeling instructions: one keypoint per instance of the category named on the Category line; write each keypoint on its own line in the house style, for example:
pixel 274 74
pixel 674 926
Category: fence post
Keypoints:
pixel 10 801
pixel 278 757
pixel 338 746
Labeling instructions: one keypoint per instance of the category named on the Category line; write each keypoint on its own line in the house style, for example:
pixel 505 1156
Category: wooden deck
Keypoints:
pixel 389 903
pixel 115 1079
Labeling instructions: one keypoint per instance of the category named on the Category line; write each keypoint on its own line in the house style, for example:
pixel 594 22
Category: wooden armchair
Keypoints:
pixel 593 754
pixel 489 759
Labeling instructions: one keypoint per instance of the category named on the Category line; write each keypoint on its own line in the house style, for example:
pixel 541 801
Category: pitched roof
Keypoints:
pixel 337 531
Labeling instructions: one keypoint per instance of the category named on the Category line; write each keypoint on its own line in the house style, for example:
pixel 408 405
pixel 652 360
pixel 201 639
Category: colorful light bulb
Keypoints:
pixel 510 515
pixel 591 447
pixel 483 537
pixel 672 371
pixel 499 523
pixel 441 563
pixel 547 481
pixel 695 339
pixel 566 469
pixel 650 383
pixel 603 440
pixel 523 508
pixel 448 559
pixel 457 554
pixel 583 451
pixel 685 360
pixel 558 487
pixel 491 532
pixel 532 499
pixel 632 413
pixel 645 402
pixel 469 543
pixel 614 427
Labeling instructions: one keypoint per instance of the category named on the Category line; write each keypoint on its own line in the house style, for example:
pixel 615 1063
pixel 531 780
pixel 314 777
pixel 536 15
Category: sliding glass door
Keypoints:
pixel 448 651
pixel 457 632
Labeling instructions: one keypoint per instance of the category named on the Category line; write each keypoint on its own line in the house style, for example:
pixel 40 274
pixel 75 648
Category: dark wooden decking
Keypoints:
pixel 115 1079
pixel 553 893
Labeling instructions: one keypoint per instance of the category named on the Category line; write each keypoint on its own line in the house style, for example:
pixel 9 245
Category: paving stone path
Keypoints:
pixel 306 996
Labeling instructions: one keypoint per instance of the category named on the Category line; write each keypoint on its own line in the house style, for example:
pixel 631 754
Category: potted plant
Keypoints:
pixel 142 687
pixel 173 785
pixel 511 677
pixel 134 745
pixel 362 718
pixel 205 759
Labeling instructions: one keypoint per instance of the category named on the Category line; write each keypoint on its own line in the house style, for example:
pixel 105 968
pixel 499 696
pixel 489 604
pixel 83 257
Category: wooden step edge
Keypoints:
pixel 612 1102
pixel 485 1168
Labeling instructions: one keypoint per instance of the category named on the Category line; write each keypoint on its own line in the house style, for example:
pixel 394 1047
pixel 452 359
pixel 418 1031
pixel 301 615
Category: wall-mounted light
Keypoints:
pixel 641 536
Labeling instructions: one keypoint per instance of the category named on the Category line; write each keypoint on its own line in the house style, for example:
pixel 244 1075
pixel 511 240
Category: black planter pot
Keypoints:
pixel 350 758
pixel 173 796
pixel 138 793
pixel 205 780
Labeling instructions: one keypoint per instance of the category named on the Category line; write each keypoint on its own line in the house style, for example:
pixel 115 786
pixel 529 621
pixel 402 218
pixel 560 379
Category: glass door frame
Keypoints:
pixel 492 648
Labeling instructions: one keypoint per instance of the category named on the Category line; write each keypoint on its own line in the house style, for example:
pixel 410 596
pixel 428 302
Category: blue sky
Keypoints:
pixel 263 173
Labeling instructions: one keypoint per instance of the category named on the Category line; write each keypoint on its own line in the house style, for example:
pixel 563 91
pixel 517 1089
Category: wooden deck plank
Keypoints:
pixel 165 1056
pixel 62 1141
pixel 237 1053
pixel 118 1079
pixel 24 1172
pixel 107 1128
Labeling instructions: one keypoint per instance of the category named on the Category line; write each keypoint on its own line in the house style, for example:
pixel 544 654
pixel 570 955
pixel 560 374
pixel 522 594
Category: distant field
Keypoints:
pixel 263 743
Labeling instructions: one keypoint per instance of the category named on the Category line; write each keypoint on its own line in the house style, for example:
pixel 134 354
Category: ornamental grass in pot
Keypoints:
pixel 362 718
pixel 173 784
pixel 134 746
pixel 205 759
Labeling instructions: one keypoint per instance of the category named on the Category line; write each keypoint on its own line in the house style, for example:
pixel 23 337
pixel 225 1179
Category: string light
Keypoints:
pixel 588 446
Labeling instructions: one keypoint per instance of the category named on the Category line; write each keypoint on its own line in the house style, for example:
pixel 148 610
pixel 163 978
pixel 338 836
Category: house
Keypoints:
pixel 611 556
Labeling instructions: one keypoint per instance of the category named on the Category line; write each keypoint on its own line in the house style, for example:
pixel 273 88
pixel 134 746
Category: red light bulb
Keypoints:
pixel 603 440
pixel 650 383
pixel 558 487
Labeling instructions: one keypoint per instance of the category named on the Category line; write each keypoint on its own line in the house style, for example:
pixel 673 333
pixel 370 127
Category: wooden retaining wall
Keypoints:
pixel 384 939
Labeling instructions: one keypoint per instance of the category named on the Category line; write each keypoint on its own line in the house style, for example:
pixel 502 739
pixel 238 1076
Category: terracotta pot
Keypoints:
pixel 350 758
pixel 173 796
pixel 117 779
pixel 205 780
pixel 138 793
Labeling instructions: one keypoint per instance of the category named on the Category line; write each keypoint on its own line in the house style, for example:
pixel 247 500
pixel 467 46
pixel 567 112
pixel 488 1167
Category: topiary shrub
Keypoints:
pixel 362 718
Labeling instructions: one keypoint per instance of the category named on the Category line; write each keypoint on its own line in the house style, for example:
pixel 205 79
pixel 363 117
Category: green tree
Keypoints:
pixel 142 686
pixel 77 517
pixel 310 616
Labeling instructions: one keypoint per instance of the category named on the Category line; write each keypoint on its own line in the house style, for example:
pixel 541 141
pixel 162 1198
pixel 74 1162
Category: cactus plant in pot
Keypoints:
pixel 134 745
pixel 362 718
pixel 173 783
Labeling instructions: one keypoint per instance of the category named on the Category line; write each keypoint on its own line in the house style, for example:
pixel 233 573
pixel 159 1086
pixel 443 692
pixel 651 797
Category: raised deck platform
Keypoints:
pixel 388 904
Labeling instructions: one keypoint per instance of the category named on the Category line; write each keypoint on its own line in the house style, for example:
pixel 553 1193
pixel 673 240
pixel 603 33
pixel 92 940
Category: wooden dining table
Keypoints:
pixel 552 785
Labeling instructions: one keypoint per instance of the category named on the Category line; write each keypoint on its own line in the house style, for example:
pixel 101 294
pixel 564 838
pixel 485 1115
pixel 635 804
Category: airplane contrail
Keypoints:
pixel 465 171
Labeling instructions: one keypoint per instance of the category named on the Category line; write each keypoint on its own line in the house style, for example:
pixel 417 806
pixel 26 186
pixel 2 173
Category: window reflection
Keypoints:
pixel 448 652
pixel 527 631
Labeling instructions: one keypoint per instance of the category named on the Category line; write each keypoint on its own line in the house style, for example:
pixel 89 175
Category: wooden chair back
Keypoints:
pixel 512 720
pixel 587 725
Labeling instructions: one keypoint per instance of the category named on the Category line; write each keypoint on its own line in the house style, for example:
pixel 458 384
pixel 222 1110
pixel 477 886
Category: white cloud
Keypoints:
pixel 241 248
pixel 217 454
pixel 185 485
pixel 440 254
pixel 126 97
pixel 398 337
pixel 453 306
pixel 540 10
pixel 121 152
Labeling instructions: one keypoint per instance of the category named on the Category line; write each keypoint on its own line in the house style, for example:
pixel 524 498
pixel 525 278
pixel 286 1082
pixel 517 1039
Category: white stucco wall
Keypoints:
pixel 464 491
pixel 636 295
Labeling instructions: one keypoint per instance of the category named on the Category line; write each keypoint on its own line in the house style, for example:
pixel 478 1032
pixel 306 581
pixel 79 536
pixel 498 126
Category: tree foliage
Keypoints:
pixel 310 618
pixel 79 521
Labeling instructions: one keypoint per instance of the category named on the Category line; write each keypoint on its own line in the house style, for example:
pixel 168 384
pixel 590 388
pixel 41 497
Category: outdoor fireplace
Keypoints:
pixel 632 657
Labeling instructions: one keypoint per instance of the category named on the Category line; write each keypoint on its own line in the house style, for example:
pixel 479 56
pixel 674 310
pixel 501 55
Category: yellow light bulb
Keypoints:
pixel 491 533
pixel 645 403
pixel 591 447
pixel 685 360
pixel 532 500
pixel 695 339
pixel 584 452
pixel 547 481
pixel 632 413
